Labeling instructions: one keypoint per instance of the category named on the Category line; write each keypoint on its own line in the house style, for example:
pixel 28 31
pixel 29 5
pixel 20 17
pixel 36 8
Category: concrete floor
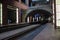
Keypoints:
pixel 45 32
pixel 49 33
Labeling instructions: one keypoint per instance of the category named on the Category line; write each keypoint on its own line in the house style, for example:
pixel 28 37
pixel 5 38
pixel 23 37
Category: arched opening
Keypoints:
pixel 38 16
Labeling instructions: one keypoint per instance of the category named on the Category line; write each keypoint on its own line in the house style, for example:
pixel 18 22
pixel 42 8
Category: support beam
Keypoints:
pixel 4 10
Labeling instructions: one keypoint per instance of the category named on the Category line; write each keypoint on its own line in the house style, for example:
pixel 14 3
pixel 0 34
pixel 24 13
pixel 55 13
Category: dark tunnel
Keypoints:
pixel 39 15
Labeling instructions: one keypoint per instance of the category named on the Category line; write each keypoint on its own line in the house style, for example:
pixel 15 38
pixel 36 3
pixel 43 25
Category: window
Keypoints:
pixel 11 14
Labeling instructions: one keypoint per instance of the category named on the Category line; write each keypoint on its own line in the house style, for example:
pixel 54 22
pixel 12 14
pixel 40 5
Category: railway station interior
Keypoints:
pixel 29 20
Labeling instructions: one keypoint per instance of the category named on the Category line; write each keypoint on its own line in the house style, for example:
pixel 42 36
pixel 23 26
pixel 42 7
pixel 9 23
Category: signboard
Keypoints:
pixel 58 12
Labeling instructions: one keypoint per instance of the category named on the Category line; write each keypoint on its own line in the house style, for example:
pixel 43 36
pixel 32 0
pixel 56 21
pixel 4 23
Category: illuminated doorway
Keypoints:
pixel 58 13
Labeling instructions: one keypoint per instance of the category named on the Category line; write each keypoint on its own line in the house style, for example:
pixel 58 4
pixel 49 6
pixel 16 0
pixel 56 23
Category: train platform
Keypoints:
pixel 33 32
pixel 45 32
